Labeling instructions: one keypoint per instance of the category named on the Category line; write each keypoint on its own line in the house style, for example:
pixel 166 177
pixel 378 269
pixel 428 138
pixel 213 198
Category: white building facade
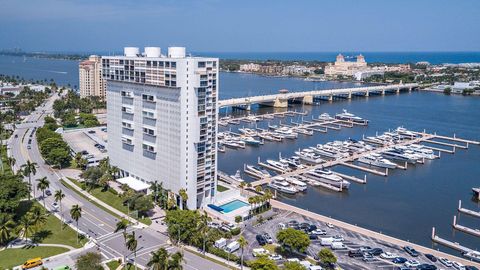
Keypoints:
pixel 162 119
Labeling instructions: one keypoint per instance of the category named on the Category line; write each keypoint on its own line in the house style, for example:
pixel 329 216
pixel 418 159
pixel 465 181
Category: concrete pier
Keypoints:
pixel 365 169
pixel 464 229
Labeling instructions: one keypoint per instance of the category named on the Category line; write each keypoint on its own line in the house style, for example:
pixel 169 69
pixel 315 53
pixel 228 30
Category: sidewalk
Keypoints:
pixel 60 175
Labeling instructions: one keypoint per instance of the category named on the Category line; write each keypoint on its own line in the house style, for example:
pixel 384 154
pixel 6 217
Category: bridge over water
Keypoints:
pixel 281 100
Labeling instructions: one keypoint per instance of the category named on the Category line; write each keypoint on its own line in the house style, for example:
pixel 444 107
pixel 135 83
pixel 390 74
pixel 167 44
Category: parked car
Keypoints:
pixel 304 226
pixel 458 266
pixel 426 266
pixel 388 255
pixel 232 247
pixel 412 263
pixel 329 225
pixel 445 262
pixel 364 248
pixel 268 238
pixel 48 192
pixel 319 232
pixel 338 238
pixel 275 257
pixel 312 236
pixel 399 260
pixel 469 267
pixel 220 243
pixel 411 251
pixel 367 257
pixel 261 240
pixel 355 253
pixel 282 226
pixel 292 223
pixel 312 227
pixel 375 251
pixel 431 257
pixel 338 245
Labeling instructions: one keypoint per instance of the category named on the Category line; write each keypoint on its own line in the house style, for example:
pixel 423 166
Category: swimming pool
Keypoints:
pixel 233 205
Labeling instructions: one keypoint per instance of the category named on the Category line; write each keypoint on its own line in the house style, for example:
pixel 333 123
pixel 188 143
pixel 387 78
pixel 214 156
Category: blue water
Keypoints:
pixel 371 57
pixel 233 205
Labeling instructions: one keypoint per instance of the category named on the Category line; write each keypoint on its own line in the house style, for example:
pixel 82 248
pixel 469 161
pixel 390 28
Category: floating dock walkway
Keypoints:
pixel 465 229
pixel 467 211
pixel 450 244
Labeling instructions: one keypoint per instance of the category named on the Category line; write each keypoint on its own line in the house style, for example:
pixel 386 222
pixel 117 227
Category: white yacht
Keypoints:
pixel 422 151
pixel 406 132
pixel 472 255
pixel 328 177
pixel 283 167
pixel 256 172
pixel 251 141
pixel 376 161
pixel 237 176
pixel 293 162
pixel 287 133
pixel 328 154
pixel 248 131
pixel 309 156
pixel 299 185
pixel 349 117
pixel 279 184
pixel 325 116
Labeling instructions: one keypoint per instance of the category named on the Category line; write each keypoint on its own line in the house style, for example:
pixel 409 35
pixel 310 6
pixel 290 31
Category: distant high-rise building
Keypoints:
pixel 162 119
pixel 91 82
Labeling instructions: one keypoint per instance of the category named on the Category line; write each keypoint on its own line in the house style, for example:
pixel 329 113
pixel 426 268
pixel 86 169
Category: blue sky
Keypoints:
pixel 242 26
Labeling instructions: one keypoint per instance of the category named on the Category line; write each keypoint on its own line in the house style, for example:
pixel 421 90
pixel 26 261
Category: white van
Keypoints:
pixel 220 243
pixel 338 245
pixel 326 241
pixel 232 247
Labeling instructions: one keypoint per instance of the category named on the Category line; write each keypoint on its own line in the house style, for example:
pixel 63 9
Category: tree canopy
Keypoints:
pixel 293 239
pixel 12 192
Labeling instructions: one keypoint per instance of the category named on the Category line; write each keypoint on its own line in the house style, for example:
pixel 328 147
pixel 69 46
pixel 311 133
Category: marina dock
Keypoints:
pixel 450 244
pixel 348 161
pixel 465 229
pixel 467 211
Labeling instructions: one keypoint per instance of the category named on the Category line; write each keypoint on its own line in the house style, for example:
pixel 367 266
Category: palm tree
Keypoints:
pixel 159 260
pixel 203 228
pixel 184 197
pixel 268 195
pixel 37 217
pixel 28 169
pixel 43 184
pixel 242 186
pixel 175 262
pixel 258 189
pixel 6 228
pixel 25 225
pixel 243 243
pixel 156 189
pixel 131 245
pixel 122 225
pixel 76 214
pixel 11 162
pixel 59 195
pixel 251 201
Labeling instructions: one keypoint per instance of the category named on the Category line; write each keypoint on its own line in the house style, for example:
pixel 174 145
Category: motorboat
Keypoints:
pixel 406 132
pixel 325 116
pixel 349 117
pixel 378 162
pixel 279 184
pixel 293 162
pixel 247 131
pixel 397 155
pixel 328 177
pixel 299 185
pixel 309 156
pixel 251 141
pixel 325 153
pixel 278 165
pixel 272 126
pixel 237 176
pixel 256 172
pixel 422 151
pixel 287 133
pixel 303 131
pixel 231 144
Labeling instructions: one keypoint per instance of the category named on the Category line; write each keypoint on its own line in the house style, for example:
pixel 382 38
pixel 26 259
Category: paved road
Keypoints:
pixel 95 223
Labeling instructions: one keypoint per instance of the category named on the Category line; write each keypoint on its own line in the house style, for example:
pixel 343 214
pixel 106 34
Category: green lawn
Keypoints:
pixel 4 168
pixel 111 199
pixel 221 188
pixel 112 265
pixel 16 256
pixel 51 232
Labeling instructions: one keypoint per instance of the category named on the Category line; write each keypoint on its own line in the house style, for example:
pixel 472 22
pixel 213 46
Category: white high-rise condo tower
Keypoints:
pixel 162 119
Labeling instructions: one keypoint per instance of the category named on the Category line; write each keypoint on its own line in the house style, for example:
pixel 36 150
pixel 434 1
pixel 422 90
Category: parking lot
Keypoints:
pixel 91 142
pixel 351 242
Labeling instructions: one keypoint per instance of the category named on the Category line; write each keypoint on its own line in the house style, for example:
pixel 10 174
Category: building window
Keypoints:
pixel 148 148
pixel 149 131
pixel 148 114
pixel 148 98
pixel 201 64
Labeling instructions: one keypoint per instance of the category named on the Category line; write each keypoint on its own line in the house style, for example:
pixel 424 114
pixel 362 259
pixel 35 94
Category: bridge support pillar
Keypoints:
pixel 280 103
pixel 350 95
pixel 367 94
pixel 308 100
pixel 330 98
